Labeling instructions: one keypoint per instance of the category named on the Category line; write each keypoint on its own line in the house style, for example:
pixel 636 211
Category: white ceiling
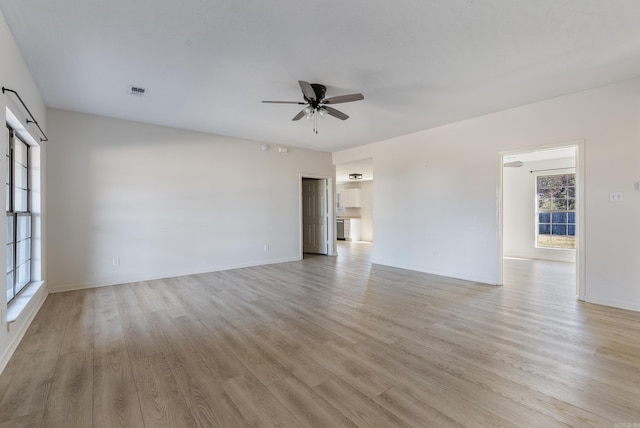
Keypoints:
pixel 208 64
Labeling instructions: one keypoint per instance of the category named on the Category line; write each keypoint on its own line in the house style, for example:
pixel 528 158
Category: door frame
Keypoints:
pixel 331 241
pixel 579 145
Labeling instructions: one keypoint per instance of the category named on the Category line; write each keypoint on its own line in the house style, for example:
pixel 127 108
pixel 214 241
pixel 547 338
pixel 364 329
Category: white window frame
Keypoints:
pixel 539 211
pixel 19 263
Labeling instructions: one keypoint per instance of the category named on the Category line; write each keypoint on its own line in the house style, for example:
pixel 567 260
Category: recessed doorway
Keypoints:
pixel 354 201
pixel 541 216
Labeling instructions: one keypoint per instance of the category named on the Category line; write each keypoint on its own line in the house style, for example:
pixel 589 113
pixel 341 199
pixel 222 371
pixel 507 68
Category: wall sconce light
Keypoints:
pixel 355 176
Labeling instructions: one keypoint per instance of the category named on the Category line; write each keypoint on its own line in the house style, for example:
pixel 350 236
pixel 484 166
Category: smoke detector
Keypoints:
pixel 137 91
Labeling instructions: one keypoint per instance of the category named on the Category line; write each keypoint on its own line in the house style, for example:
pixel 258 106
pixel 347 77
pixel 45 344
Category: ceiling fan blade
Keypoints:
pixel 343 99
pixel 284 102
pixel 307 89
pixel 336 113
pixel 299 115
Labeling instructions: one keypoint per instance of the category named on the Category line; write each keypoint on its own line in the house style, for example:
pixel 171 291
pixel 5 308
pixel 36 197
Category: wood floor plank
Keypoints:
pixel 538 409
pixel 257 405
pixel 79 332
pixel 210 405
pixel 216 355
pixel 148 300
pixel 124 296
pixel 28 421
pixel 242 344
pixel 108 337
pixel 167 293
pixel 444 399
pixel 30 387
pixel 141 340
pixel 359 408
pixel 55 313
pixel 13 366
pixel 105 305
pixel 318 318
pixel 115 398
pixel 412 411
pixel 290 354
pixel 161 401
pixel 307 406
pixel 70 403
pixel 367 381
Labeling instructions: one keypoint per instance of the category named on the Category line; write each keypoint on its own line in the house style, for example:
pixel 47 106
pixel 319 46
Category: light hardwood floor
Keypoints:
pixel 327 342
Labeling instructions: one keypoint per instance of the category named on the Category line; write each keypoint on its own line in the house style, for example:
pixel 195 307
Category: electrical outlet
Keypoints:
pixel 616 197
pixel 266 247
pixel 116 261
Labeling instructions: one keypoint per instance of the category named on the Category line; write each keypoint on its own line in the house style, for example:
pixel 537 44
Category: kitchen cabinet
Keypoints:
pixel 349 198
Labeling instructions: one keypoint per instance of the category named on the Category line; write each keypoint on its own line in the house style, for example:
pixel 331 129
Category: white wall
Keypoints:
pixel 445 181
pixel 166 202
pixel 365 212
pixel 15 75
pixel 519 199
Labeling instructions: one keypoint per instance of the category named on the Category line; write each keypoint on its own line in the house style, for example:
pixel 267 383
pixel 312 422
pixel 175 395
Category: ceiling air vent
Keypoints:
pixel 137 91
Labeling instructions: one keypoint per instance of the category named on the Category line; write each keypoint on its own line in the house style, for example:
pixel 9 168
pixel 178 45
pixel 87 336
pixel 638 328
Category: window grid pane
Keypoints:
pixel 18 216
pixel 10 294
pixel 20 177
pixel 9 258
pixel 556 211
pixel 23 276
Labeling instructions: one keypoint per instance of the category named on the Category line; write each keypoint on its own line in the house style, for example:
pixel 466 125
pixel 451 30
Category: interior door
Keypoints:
pixel 314 215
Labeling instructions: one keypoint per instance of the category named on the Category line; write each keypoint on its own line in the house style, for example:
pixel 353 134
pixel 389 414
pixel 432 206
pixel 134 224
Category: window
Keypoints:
pixel 556 215
pixel 18 215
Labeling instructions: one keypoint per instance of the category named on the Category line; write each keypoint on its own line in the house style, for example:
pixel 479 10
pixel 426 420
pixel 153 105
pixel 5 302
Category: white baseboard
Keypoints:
pixel 613 303
pixel 445 274
pixel 173 274
pixel 22 324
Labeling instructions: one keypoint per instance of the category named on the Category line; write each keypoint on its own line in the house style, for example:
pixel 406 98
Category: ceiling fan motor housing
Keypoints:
pixel 320 91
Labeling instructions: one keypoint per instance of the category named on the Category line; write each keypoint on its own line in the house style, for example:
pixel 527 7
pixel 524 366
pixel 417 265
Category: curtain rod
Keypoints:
pixel 551 169
pixel 30 119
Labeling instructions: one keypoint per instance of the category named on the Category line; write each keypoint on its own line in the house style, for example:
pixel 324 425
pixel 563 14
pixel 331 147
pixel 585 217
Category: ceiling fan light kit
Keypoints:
pixel 316 103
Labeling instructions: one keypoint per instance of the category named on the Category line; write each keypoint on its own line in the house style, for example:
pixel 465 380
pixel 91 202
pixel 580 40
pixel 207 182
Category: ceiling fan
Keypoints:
pixel 317 104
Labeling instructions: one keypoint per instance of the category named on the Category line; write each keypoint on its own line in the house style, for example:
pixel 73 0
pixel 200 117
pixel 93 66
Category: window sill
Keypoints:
pixel 556 249
pixel 18 305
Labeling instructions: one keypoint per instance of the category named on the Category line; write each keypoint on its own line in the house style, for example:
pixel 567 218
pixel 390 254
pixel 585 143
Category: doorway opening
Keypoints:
pixel 315 216
pixel 354 201
pixel 541 216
